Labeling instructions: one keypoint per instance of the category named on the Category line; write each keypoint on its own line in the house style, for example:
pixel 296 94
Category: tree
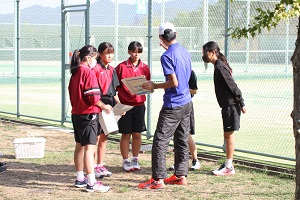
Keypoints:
pixel 270 19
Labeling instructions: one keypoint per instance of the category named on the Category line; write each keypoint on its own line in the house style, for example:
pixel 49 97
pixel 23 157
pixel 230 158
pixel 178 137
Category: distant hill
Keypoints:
pixel 102 13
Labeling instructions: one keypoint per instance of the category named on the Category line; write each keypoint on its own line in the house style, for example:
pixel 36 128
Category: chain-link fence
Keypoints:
pixel 32 84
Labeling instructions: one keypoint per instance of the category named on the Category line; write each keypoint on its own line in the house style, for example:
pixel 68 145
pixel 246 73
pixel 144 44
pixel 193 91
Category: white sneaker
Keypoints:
pixel 135 164
pixel 195 164
pixel 127 166
pixel 101 172
pixel 98 187
pixel 224 171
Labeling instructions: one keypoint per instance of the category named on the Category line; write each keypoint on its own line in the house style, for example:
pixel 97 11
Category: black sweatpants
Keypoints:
pixel 172 123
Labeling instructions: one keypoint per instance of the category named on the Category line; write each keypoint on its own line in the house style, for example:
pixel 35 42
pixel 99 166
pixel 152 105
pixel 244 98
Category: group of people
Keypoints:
pixel 95 86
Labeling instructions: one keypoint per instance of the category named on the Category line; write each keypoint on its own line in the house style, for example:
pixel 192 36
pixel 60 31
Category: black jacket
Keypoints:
pixel 227 91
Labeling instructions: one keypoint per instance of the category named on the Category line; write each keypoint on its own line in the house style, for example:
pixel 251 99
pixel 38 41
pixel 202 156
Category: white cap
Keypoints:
pixel 164 26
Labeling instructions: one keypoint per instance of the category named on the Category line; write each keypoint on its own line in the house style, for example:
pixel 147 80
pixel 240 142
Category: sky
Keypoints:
pixel 7 6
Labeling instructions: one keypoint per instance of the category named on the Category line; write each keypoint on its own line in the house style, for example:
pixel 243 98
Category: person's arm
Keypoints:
pixel 103 106
pixel 229 81
pixel 192 91
pixel 171 82
pixel 117 99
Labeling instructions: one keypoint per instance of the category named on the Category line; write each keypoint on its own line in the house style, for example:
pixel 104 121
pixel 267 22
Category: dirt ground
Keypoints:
pixel 53 176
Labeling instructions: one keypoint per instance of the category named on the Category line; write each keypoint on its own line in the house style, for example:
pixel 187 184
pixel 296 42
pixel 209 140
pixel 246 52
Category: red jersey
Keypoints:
pixel 125 70
pixel 107 79
pixel 84 91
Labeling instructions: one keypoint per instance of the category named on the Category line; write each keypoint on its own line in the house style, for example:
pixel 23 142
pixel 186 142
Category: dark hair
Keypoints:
pixel 169 35
pixel 133 46
pixel 103 46
pixel 213 46
pixel 79 56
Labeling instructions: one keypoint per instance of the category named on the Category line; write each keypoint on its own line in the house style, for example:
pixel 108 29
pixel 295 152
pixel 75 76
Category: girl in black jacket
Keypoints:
pixel 229 97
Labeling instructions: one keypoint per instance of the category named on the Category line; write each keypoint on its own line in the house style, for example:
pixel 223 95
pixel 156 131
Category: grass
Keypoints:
pixel 52 177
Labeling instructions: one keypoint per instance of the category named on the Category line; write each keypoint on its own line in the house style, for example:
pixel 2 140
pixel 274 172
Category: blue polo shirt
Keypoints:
pixel 177 60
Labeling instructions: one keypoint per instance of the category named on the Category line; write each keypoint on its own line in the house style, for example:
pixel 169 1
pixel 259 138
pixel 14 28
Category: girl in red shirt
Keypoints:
pixel 108 81
pixel 133 122
pixel 84 95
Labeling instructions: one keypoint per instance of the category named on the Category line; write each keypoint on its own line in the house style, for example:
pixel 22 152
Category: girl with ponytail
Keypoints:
pixel 85 100
pixel 229 97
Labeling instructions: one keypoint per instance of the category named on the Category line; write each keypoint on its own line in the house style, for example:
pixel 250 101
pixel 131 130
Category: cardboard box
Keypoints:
pixel 31 147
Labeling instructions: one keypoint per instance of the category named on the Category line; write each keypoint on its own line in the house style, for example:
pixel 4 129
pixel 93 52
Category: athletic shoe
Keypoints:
pixel 101 172
pixel 135 164
pixel 195 164
pixel 152 184
pixel 2 164
pixel 224 171
pixel 3 168
pixel 171 168
pixel 80 183
pixel 98 187
pixel 127 166
pixel 175 180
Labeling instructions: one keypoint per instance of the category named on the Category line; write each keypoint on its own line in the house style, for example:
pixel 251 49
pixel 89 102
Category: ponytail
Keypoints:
pixel 79 56
pixel 212 46
pixel 75 61
pixel 223 58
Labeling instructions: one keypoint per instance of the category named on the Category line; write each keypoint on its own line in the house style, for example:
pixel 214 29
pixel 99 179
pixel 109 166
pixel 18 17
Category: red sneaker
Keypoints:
pixel 152 184
pixel 175 180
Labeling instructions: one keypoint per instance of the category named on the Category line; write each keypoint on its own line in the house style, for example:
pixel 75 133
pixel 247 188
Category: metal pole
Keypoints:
pixel 117 34
pixel 247 40
pixel 163 11
pixel 227 12
pixel 205 27
pixel 17 50
pixel 63 62
pixel 150 16
pixel 87 22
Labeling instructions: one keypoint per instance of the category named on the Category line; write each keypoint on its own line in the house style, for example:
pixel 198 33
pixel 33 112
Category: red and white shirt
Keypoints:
pixel 84 91
pixel 125 70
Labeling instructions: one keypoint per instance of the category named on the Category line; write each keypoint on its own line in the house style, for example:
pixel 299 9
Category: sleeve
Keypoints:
pixel 91 89
pixel 193 81
pixel 167 65
pixel 117 70
pixel 230 83
pixel 115 79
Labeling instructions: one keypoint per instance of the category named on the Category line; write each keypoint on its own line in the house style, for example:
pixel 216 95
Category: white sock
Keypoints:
pixel 126 159
pixel 91 178
pixel 79 175
pixel 228 163
pixel 135 158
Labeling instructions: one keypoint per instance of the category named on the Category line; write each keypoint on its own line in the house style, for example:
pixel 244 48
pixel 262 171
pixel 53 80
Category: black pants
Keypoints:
pixel 172 123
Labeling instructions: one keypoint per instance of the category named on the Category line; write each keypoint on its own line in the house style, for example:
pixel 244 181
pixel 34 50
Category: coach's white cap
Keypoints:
pixel 164 26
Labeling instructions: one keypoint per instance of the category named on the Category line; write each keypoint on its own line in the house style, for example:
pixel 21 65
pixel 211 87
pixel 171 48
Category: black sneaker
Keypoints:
pixel 3 168
pixel 80 183
pixel 172 168
pixel 2 163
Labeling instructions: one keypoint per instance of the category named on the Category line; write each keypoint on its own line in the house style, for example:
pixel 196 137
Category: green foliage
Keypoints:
pixel 268 19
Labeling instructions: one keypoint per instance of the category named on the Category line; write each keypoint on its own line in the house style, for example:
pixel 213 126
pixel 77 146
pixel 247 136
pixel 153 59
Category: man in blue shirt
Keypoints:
pixel 174 117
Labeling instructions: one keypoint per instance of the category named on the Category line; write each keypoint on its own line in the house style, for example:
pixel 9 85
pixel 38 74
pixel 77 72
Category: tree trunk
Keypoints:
pixel 296 110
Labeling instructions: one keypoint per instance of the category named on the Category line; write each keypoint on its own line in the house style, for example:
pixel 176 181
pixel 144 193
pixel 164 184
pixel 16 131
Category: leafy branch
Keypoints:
pixel 268 19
